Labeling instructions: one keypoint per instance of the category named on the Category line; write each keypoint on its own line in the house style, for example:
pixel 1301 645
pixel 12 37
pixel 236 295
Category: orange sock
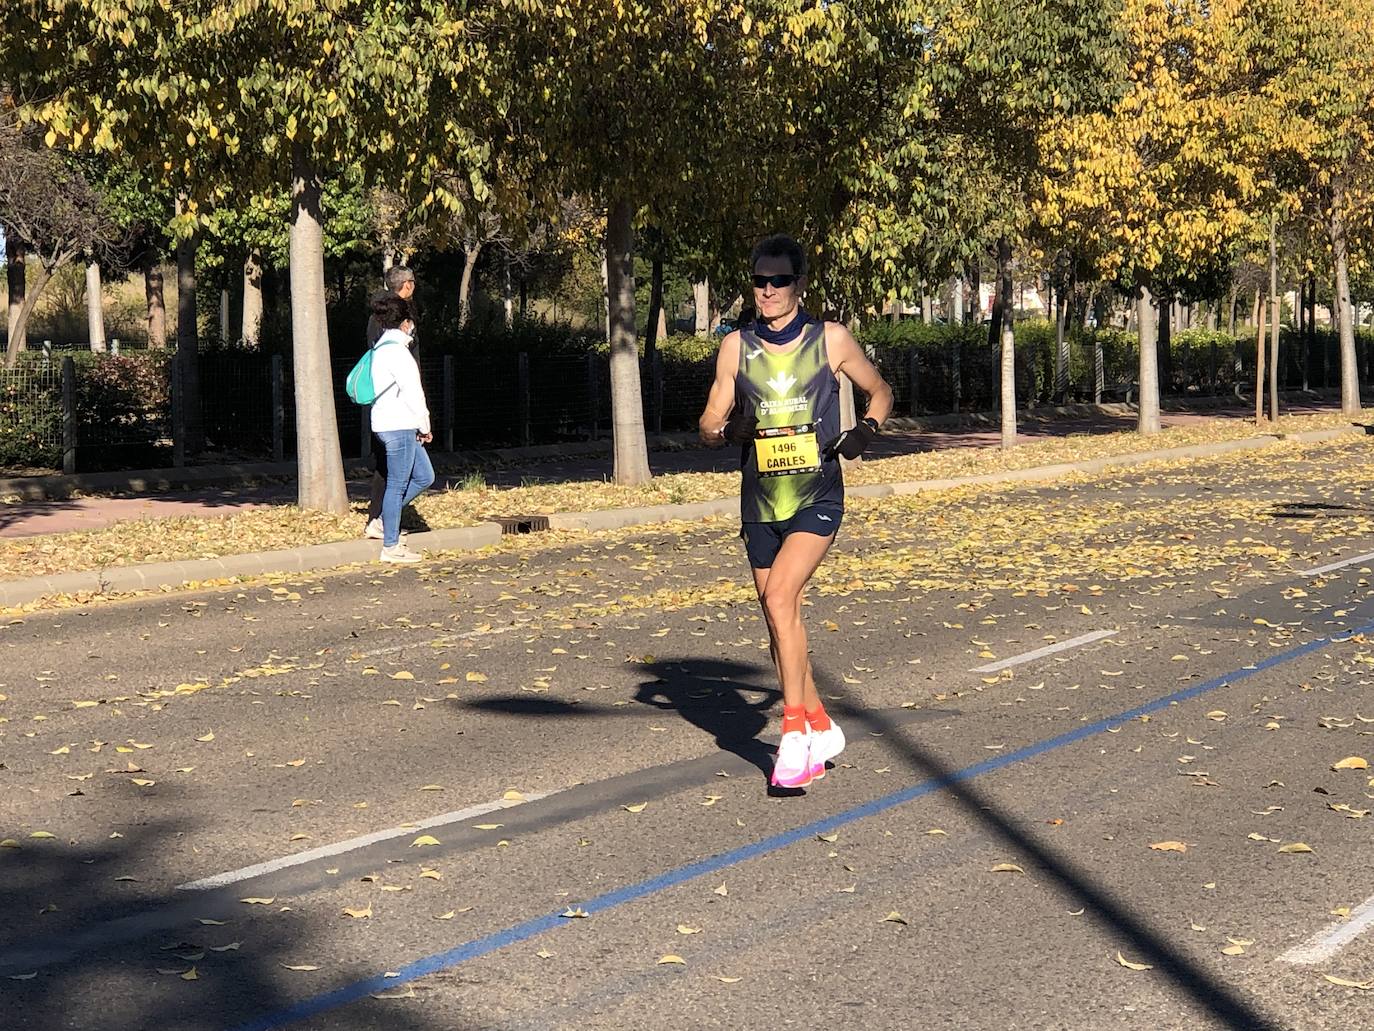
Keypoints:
pixel 793 719
pixel 818 718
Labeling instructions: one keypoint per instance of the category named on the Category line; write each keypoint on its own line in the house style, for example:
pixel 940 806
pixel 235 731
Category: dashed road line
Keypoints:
pixel 1367 557
pixel 1326 943
pixel 1040 653
pixel 219 880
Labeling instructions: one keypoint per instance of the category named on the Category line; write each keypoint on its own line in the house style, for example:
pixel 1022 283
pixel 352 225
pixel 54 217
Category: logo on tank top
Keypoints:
pixel 782 383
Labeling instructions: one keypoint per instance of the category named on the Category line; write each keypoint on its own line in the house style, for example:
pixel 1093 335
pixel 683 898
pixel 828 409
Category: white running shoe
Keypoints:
pixel 374 531
pixel 825 745
pixel 793 766
pixel 399 553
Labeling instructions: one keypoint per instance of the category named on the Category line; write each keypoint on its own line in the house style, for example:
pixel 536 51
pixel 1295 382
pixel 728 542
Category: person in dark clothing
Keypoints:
pixel 399 281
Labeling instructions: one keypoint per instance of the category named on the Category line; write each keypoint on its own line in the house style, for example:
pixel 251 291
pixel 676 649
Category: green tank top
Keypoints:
pixel 796 398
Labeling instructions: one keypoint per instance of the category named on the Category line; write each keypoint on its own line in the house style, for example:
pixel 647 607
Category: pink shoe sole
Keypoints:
pixel 804 779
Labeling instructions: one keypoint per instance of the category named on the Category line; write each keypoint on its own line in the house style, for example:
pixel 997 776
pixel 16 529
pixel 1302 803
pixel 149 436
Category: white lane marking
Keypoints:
pixel 1325 944
pixel 339 847
pixel 1040 653
pixel 1368 557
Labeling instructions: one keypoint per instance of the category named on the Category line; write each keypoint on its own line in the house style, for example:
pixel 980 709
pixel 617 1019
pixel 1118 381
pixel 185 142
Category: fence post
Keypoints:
pixel 522 378
pixel 656 380
pixel 1099 373
pixel 1212 366
pixel 594 398
pixel 450 410
pixel 278 413
pixel 178 412
pixel 68 416
pixel 114 346
pixel 47 351
pixel 912 364
pixel 956 376
pixel 1236 385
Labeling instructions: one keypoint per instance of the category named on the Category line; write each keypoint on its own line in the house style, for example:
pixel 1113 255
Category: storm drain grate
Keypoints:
pixel 521 524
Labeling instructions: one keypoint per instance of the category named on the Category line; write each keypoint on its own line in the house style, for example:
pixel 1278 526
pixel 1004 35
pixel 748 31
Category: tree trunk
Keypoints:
pixel 1350 383
pixel 1008 341
pixel 1147 418
pixel 701 301
pixel 975 293
pixel 955 314
pixel 41 279
pixel 651 329
pixel 1261 310
pixel 927 309
pixel 252 300
pixel 14 275
pixel 157 305
pixel 627 406
pixel 319 460
pixel 388 261
pixel 1231 310
pixel 471 252
pixel 95 307
pixel 188 345
pixel 1276 305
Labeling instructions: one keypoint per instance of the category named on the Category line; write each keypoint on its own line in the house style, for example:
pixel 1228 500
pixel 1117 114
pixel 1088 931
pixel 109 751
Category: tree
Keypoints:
pixel 1159 184
pixel 232 97
pixel 48 206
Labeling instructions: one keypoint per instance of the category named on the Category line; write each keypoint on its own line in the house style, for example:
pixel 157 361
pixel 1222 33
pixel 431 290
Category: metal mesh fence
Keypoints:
pixel 123 404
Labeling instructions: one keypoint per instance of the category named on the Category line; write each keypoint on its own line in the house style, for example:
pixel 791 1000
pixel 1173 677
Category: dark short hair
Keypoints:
pixel 780 245
pixel 397 276
pixel 390 310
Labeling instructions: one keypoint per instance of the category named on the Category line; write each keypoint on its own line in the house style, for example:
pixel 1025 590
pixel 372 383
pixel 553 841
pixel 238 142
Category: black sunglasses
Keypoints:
pixel 777 281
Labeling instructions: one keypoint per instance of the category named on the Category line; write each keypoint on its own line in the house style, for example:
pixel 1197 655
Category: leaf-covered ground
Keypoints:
pixel 275 527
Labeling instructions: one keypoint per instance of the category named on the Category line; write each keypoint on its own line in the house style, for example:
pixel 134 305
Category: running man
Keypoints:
pixel 777 395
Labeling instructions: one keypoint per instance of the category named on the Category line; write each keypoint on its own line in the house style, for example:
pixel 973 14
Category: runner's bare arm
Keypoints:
pixel 846 356
pixel 721 399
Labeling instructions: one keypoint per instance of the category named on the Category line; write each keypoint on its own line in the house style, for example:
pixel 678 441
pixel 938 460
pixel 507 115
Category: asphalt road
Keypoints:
pixel 527 789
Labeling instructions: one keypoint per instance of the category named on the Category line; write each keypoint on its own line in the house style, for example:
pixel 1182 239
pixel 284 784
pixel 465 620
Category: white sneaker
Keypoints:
pixel 825 745
pixel 374 531
pixel 793 767
pixel 399 553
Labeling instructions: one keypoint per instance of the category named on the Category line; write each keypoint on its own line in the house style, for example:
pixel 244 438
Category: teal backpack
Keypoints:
pixel 359 385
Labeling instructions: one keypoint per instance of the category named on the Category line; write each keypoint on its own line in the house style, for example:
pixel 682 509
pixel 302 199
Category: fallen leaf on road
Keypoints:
pixel 729 980
pixel 424 839
pixel 359 914
pixel 42 835
pixel 1353 762
pixel 831 837
pixel 258 901
pixel 477 678
pixel 1169 846
pixel 1295 846
pixel 190 975
pixel 211 923
pixel 1216 715
pixel 639 808
pixel 1007 868
pixel 404 674
pixel 671 959
pixel 687 929
pixel 299 966
pixel 1233 950
pixel 207 737
pixel 1132 966
pixel 575 913
pixel 487 826
pixel 1363 986
pixel 894 918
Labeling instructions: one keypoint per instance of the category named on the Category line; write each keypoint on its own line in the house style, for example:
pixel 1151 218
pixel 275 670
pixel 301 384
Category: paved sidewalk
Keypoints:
pixel 35 518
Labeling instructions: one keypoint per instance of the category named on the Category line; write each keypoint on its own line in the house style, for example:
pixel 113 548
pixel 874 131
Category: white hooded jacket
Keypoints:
pixel 400 401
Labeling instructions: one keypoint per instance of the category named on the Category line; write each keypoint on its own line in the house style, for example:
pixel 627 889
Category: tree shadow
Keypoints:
pixel 1209 994
pixel 86 946
pixel 710 695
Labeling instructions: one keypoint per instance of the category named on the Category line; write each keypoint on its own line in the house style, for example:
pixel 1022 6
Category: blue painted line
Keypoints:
pixel 484 946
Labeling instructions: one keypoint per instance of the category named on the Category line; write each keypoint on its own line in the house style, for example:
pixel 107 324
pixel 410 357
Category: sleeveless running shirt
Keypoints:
pixel 797 401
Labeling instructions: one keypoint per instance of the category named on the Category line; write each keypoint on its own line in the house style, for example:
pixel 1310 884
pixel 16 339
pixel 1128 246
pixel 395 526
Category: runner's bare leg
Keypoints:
pixel 780 591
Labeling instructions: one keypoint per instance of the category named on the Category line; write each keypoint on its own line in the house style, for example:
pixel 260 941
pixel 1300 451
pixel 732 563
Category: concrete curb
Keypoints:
pixel 325 556
pixel 117 579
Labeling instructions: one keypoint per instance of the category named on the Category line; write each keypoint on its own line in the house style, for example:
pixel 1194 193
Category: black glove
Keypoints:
pixel 740 428
pixel 853 442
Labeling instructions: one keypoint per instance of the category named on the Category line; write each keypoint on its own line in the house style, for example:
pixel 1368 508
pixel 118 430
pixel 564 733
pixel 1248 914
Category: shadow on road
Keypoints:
pixel 85 947
pixel 1210 995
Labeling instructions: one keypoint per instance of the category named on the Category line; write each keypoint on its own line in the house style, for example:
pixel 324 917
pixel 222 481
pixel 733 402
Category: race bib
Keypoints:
pixel 787 449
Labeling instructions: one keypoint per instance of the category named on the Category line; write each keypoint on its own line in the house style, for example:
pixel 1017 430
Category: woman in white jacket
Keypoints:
pixel 400 419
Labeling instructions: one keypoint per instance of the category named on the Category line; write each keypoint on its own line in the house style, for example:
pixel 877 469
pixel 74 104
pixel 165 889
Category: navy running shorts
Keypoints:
pixel 763 541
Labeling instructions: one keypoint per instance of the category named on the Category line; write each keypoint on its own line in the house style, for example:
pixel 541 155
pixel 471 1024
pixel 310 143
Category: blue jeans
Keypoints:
pixel 408 472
